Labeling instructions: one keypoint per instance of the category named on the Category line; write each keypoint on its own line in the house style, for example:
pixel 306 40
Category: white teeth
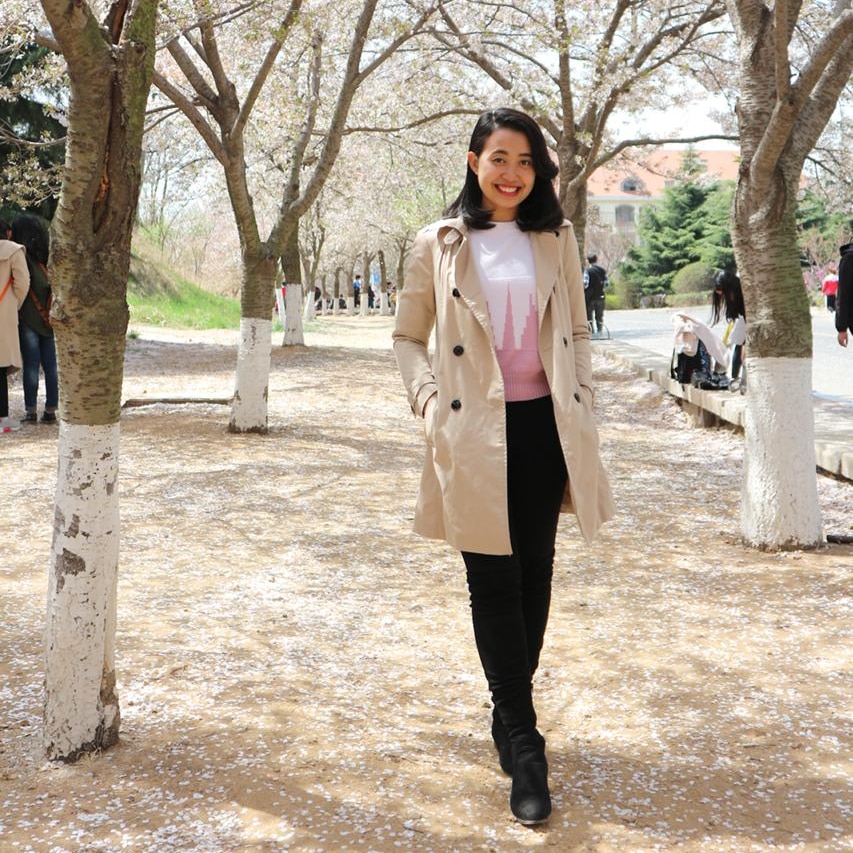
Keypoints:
pixel 507 189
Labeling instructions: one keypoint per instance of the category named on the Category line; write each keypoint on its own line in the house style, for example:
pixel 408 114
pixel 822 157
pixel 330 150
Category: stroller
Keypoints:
pixel 694 348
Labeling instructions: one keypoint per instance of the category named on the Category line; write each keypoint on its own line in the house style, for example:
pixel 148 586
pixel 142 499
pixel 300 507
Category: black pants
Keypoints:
pixel 595 309
pixel 4 392
pixel 511 594
pixel 737 360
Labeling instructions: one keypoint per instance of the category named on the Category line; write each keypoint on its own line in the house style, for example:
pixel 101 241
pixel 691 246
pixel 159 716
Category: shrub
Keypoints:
pixel 624 293
pixel 693 278
pixel 688 300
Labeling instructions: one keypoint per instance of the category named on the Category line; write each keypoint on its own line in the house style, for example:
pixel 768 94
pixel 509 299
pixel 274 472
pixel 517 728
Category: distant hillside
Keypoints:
pixel 150 275
pixel 158 295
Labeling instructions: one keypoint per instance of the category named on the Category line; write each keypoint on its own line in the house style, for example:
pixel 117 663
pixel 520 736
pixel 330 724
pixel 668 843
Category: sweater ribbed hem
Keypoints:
pixel 518 388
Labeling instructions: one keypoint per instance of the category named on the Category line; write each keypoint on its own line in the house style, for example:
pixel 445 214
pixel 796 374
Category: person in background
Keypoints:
pixel 506 401
pixel 14 285
pixel 38 347
pixel 594 283
pixel 727 301
pixel 829 286
pixel 844 298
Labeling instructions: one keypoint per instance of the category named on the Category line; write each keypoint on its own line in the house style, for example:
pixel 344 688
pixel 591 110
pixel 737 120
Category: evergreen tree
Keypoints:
pixel 670 238
pixel 715 250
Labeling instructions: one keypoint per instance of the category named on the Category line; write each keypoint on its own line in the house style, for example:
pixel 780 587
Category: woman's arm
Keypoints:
pixel 577 306
pixel 415 320
pixel 20 275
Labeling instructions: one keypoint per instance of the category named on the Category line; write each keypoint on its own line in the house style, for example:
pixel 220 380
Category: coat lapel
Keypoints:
pixel 464 276
pixel 546 260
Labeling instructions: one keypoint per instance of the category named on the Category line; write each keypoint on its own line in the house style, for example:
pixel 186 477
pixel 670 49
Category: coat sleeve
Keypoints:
pixel 414 324
pixel 577 306
pixel 20 275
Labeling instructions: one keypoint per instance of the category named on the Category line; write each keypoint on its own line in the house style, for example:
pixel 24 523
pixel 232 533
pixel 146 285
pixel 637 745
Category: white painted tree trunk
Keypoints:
pixel 779 503
pixel 310 307
pixel 81 702
pixel 336 306
pixel 365 303
pixel 350 305
pixel 293 333
pixel 249 408
pixel 384 304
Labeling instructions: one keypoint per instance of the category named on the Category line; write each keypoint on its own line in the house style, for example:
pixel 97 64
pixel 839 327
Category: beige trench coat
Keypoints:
pixel 463 492
pixel 13 262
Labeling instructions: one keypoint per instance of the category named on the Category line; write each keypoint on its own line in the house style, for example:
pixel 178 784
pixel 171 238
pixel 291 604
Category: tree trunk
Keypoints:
pixel 110 71
pixel 310 307
pixel 81 712
pixel 365 284
pixel 782 110
pixel 779 506
pixel 294 334
pixel 249 407
pixel 336 292
pixel 384 305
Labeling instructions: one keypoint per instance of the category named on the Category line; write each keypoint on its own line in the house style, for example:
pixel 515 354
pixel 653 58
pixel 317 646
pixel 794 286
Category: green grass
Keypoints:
pixel 187 307
pixel 159 296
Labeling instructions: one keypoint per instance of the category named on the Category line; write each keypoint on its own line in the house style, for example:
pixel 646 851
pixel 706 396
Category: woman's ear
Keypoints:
pixel 473 160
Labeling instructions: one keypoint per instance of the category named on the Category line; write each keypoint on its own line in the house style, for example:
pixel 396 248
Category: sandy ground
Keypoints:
pixel 297 673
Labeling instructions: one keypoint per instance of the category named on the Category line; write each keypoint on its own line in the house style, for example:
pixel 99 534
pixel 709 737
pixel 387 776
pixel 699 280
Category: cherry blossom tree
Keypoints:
pixel 110 63
pixel 794 61
pixel 278 127
pixel 574 66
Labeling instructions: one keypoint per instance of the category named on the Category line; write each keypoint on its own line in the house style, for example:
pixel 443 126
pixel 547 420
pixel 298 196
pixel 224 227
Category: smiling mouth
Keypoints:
pixel 505 190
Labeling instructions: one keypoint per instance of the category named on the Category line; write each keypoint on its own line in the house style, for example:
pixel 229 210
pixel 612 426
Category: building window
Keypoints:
pixel 625 215
pixel 632 185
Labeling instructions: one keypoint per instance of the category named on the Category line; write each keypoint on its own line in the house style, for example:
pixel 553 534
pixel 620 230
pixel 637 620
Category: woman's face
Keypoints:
pixel 504 170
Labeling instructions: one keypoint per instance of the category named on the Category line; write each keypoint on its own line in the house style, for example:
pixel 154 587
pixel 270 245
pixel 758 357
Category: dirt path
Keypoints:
pixel 296 670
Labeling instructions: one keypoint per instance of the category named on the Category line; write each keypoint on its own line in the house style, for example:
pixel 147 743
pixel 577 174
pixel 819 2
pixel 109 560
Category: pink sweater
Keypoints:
pixel 504 260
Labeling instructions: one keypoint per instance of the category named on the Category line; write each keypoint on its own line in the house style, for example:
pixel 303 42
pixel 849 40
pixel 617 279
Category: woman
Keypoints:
pixel 728 302
pixel 507 408
pixel 38 347
pixel 14 284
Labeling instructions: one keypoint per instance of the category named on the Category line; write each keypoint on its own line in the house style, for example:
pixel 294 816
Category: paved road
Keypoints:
pixel 832 375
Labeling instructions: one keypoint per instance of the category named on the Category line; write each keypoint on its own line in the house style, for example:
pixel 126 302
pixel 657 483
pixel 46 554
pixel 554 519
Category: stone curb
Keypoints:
pixel 833 421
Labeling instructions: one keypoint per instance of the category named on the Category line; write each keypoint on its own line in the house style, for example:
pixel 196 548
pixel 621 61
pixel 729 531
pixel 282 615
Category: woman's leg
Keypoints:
pixel 737 360
pixel 51 375
pixel 31 356
pixel 510 599
pixel 4 391
pixel 497 611
pixel 538 476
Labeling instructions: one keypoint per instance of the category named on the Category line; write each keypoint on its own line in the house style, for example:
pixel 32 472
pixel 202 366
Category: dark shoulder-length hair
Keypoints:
pixel 32 233
pixel 541 210
pixel 728 297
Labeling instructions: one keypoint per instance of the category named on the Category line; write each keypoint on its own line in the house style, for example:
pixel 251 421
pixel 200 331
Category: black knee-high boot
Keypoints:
pixel 501 636
pixel 535 607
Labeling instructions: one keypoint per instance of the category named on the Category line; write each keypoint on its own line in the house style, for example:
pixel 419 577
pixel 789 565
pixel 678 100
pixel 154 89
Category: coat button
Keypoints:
pixel 455 292
pixel 577 396
pixel 565 342
pixel 458 349
pixel 456 405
